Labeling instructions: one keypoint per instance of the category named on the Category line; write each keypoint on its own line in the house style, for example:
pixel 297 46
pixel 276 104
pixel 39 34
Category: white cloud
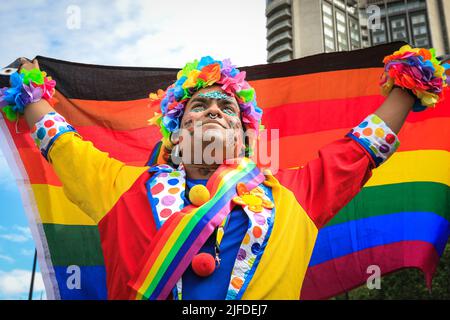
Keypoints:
pixel 139 33
pixel 15 284
pixel 21 234
pixel 27 252
pixel 6 258
pixel 14 237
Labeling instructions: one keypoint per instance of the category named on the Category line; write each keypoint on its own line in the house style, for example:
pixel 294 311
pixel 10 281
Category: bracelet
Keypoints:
pixel 47 129
pixel 418 71
pixel 27 87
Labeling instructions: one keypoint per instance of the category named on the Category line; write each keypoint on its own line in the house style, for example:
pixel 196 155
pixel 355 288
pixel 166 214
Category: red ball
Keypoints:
pixel 203 264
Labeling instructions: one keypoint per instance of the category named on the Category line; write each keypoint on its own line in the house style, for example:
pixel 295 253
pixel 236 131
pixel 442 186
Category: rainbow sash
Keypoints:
pixel 184 233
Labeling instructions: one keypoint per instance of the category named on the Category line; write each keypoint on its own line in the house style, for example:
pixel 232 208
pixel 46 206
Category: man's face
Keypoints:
pixel 211 118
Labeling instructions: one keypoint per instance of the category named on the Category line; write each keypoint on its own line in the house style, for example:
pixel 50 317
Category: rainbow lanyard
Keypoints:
pixel 185 232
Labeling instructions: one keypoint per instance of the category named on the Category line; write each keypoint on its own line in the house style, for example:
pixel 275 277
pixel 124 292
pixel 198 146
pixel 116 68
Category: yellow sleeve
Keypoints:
pixel 91 178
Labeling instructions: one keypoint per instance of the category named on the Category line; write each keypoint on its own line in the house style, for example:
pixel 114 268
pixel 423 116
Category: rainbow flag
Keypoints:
pixel 400 219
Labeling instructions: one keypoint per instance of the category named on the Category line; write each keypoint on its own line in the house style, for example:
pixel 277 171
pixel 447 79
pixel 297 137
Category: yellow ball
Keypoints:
pixel 198 195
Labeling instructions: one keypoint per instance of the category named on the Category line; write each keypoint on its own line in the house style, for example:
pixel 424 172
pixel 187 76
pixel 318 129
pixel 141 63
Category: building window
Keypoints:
pixel 341 27
pixel 340 16
pixel 416 4
pixel 417 31
pixel 397 23
pixel 326 8
pixel 420 18
pixel 354 33
pixel 327 21
pixel 328 32
pixel 379 35
pixel 329 45
pixel 339 4
pixel 421 42
pixel 328 28
pixel 420 31
pixel 379 39
pixel 398 28
pixel 396 7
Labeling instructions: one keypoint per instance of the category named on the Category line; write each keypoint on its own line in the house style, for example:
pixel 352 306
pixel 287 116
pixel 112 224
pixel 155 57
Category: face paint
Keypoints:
pixel 198 109
pixel 218 95
pixel 229 111
pixel 235 124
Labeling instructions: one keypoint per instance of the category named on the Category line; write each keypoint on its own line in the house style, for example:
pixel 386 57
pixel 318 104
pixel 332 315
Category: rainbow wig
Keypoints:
pixel 195 76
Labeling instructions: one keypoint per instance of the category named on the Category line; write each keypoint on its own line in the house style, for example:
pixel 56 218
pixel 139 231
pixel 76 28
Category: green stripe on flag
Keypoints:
pixel 392 198
pixel 74 245
pixel 80 245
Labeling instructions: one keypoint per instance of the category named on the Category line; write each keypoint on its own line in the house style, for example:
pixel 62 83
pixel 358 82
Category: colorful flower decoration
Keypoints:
pixel 195 76
pixel 255 199
pixel 26 87
pixel 417 70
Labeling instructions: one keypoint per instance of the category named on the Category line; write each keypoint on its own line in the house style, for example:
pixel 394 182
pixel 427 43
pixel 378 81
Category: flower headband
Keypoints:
pixel 195 76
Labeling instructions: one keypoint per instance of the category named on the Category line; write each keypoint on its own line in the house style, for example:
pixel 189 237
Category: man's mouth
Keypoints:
pixel 213 122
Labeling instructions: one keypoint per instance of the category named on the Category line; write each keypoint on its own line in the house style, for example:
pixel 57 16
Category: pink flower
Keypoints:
pixel 232 85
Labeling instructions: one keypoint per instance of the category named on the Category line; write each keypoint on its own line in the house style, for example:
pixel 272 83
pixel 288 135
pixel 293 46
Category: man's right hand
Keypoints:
pixel 28 65
pixel 34 111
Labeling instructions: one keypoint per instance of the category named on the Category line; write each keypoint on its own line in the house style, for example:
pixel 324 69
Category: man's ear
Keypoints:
pixel 175 137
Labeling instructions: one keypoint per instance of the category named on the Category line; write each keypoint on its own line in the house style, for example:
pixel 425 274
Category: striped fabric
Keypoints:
pixel 400 219
pixel 182 235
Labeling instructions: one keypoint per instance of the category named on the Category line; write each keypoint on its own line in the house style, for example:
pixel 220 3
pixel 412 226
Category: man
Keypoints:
pixel 239 234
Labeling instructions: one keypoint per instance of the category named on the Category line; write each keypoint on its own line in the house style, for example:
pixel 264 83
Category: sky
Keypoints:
pixel 142 33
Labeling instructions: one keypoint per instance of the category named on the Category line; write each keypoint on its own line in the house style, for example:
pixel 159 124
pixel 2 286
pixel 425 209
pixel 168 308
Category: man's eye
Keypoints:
pixel 229 110
pixel 198 108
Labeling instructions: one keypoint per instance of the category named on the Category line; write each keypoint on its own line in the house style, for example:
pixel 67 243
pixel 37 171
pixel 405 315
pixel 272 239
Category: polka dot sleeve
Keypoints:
pixel 47 129
pixel 376 137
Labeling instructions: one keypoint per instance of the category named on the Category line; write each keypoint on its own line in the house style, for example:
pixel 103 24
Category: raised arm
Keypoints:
pixel 413 79
pixel 326 184
pixel 91 178
pixel 395 109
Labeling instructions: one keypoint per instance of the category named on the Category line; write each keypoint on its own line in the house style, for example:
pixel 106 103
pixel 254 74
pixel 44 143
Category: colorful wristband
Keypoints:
pixel 376 137
pixel 27 87
pixel 417 70
pixel 48 129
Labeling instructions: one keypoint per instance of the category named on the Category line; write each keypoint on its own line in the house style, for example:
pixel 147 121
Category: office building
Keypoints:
pixel 298 28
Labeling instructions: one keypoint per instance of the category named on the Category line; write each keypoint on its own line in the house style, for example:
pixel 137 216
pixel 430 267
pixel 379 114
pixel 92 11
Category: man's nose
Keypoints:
pixel 214 108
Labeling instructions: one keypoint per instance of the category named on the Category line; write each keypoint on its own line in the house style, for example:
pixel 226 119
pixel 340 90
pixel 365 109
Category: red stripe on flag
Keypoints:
pixel 345 273
pixel 315 116
pixel 134 147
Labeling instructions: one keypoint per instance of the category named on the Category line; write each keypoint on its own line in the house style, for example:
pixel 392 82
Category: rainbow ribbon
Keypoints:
pixel 185 232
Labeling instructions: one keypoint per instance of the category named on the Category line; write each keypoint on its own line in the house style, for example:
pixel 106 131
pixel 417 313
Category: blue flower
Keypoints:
pixel 207 60
pixel 16 80
pixel 19 103
pixel 234 72
pixel 204 61
pixel 164 103
pixel 180 81
pixel 170 124
pixel 178 92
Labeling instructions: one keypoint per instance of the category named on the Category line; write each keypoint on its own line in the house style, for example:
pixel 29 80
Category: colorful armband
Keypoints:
pixel 48 129
pixel 27 87
pixel 418 71
pixel 376 137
